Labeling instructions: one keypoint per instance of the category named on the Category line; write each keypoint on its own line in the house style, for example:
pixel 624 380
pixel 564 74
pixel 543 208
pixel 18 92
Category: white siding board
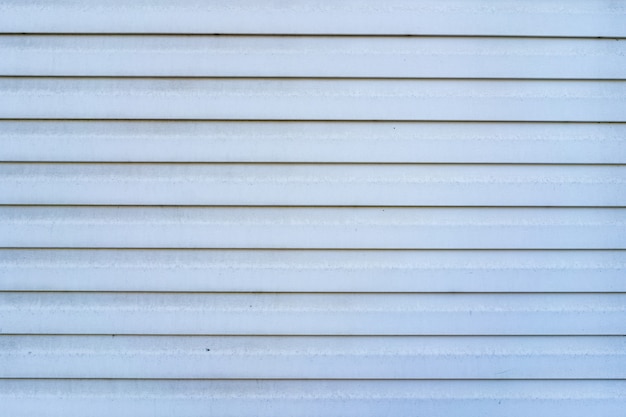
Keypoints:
pixel 312 271
pixel 240 357
pixel 224 56
pixel 312 314
pixel 348 228
pixel 319 99
pixel 304 185
pixel 310 398
pixel 404 17
pixel 380 142
pixel 312 214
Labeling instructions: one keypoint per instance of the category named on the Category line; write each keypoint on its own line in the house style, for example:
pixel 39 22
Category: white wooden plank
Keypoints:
pixel 261 227
pixel 325 185
pixel 168 141
pixel 312 314
pixel 320 99
pixel 312 271
pixel 257 357
pixel 449 17
pixel 300 398
pixel 233 56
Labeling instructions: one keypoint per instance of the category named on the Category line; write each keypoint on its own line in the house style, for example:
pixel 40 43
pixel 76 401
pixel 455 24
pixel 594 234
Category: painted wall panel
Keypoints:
pixel 312 271
pixel 322 228
pixel 309 185
pixel 255 208
pixel 312 142
pixel 297 56
pixel 312 314
pixel 402 17
pixel 322 357
pixel 318 99
pixel 312 398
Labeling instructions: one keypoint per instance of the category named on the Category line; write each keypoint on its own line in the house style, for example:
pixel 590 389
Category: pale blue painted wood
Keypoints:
pixel 313 314
pixel 313 142
pixel 313 99
pixel 313 357
pixel 403 17
pixel 514 306
pixel 238 56
pixel 312 228
pixel 313 185
pixel 380 271
pixel 312 398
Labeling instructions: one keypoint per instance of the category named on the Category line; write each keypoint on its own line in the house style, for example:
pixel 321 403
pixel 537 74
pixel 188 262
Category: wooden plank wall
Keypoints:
pixel 312 208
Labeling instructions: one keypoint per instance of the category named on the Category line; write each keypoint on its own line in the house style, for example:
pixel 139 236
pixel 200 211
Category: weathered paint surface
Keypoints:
pixel 378 271
pixel 313 99
pixel 312 142
pixel 368 17
pixel 313 185
pixel 326 56
pixel 312 214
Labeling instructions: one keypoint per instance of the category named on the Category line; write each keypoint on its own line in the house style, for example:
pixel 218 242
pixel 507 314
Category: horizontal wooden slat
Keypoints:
pixel 298 398
pixel 320 99
pixel 326 185
pixel 449 17
pixel 312 271
pixel 313 314
pixel 202 56
pixel 168 141
pixel 278 219
pixel 370 228
pixel 313 357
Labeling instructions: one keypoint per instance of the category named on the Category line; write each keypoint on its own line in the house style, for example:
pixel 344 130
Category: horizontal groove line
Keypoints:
pixel 315 121
pixel 309 35
pixel 304 206
pixel 116 292
pixel 301 78
pixel 381 121
pixel 19 248
pixel 300 292
pixel 499 380
pixel 317 163
pixel 272 335
pixel 296 206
